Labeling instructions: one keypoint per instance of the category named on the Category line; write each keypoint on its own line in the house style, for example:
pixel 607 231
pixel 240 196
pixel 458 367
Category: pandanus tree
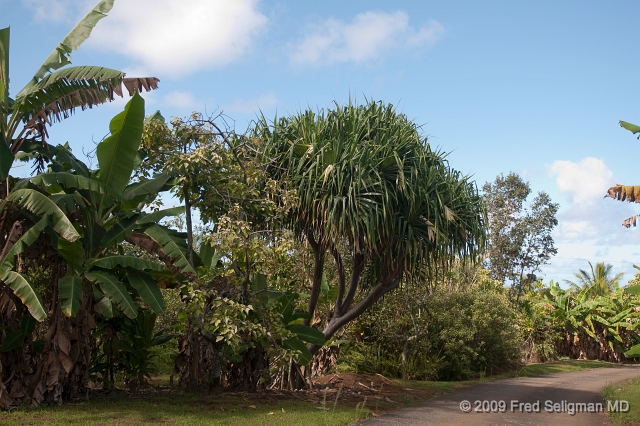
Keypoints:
pixel 372 197
pixel 72 221
pixel 56 90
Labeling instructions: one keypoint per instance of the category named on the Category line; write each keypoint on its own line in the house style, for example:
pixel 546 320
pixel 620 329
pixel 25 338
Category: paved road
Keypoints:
pixel 544 394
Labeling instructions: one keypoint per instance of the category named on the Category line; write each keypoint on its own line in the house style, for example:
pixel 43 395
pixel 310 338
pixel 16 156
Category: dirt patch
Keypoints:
pixel 345 389
pixel 348 389
pixel 372 382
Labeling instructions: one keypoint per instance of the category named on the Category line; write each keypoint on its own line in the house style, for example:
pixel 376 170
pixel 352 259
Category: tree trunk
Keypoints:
pixel 64 371
pixel 200 361
pixel 246 375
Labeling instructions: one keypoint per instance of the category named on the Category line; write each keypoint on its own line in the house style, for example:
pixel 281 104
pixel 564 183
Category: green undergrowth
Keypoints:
pixel 628 391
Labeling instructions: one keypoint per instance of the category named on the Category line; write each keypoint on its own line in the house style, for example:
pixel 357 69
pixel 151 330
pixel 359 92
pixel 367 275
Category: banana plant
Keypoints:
pixel 54 93
pixel 607 319
pixel 630 193
pixel 88 214
pixel 130 349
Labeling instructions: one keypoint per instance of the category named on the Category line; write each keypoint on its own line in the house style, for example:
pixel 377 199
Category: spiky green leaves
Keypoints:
pixel 365 174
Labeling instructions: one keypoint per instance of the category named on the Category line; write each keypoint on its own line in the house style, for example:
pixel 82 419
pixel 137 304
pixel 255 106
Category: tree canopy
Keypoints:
pixel 519 234
pixel 372 195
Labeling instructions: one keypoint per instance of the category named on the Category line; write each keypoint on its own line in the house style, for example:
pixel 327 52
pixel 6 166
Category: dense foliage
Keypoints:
pixel 64 264
pixel 329 239
pixel 448 333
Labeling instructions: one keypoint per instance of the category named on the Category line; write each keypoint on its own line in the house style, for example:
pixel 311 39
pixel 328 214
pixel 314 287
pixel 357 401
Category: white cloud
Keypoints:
pixel 588 216
pixel 583 182
pixel 261 103
pixel 367 37
pixel 173 38
pixel 573 256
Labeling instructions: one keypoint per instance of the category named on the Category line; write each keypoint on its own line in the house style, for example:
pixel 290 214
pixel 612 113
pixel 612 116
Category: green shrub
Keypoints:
pixel 475 331
pixel 446 334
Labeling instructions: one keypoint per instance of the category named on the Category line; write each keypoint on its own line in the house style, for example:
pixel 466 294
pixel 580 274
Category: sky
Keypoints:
pixel 537 88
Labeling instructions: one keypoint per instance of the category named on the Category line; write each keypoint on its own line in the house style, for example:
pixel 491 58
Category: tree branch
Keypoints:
pixel 356 271
pixel 318 269
pixel 337 322
pixel 337 311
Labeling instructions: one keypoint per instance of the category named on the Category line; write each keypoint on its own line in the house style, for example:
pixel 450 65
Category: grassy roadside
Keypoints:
pixel 525 371
pixel 181 409
pixel 178 408
pixel 630 392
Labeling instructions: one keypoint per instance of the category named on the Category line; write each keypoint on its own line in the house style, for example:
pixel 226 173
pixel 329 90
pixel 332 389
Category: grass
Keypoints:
pixel 630 392
pixel 527 370
pixel 178 408
pixel 556 367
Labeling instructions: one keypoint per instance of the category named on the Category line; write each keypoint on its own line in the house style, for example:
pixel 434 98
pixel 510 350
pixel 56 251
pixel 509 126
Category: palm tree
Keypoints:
pixel 54 95
pixel 373 195
pixel 600 279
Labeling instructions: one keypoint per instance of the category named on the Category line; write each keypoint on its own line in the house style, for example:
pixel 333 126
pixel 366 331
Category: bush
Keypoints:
pixel 475 331
pixel 445 334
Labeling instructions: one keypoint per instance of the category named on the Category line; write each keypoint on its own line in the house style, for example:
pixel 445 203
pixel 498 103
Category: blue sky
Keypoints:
pixel 536 88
